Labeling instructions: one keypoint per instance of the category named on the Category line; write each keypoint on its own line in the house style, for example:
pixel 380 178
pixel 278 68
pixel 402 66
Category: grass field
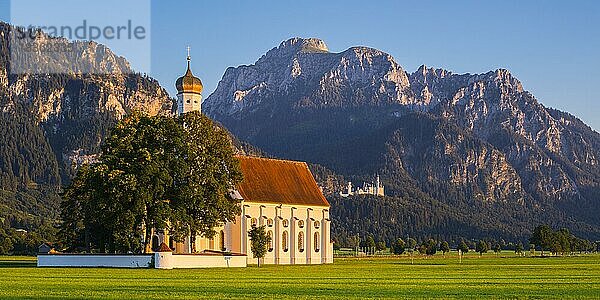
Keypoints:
pixel 438 277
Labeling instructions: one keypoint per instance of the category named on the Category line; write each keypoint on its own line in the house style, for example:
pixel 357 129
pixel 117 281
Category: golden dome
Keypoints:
pixel 188 83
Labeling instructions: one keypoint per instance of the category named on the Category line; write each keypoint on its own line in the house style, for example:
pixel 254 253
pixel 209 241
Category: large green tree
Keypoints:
pixel 482 247
pixel 542 236
pixel 370 242
pixel 430 247
pixel 208 171
pixel 445 247
pixel 398 247
pixel 411 244
pixel 463 247
pixel 153 172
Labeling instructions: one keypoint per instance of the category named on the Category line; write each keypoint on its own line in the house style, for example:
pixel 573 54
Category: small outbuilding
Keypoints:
pixel 46 248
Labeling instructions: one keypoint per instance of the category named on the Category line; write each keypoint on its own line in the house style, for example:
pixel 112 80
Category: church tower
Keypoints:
pixel 189 91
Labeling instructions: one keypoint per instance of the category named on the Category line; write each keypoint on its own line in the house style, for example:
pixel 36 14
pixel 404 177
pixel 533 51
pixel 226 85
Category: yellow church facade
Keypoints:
pixel 282 195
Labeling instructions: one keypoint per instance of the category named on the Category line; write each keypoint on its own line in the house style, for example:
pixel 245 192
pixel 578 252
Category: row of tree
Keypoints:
pixel 559 241
pixel 544 239
pixel 154 172
pixel 431 246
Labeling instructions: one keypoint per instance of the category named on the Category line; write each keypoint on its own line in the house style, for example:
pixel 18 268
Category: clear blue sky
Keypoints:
pixel 551 46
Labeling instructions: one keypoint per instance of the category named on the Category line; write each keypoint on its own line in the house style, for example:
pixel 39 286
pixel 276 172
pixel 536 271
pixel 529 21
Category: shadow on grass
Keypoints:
pixel 18 264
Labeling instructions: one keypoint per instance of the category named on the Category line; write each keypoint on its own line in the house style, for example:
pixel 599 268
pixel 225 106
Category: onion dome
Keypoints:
pixel 188 83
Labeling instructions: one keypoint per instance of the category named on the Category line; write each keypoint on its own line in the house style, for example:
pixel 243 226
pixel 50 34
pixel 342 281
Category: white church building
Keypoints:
pixel 282 195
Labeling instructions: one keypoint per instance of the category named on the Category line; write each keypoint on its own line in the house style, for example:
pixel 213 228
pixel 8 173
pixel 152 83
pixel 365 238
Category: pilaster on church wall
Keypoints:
pixel 293 214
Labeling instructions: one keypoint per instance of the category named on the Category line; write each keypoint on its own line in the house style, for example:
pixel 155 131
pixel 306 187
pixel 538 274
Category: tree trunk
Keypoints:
pixel 111 245
pixel 193 240
pixel 87 242
pixel 102 245
pixel 147 240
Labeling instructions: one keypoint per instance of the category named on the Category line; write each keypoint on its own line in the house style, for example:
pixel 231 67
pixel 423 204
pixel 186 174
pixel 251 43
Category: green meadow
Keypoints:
pixel 490 276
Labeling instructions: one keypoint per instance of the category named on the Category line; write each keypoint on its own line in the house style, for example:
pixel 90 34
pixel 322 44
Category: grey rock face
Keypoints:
pixel 307 75
pixel 493 139
pixel 75 109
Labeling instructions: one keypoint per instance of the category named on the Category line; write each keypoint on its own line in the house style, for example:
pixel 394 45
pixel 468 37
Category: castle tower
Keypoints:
pixel 189 91
pixel 379 189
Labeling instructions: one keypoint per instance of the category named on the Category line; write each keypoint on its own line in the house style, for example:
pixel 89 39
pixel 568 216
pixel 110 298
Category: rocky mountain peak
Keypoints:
pixel 502 78
pixel 292 47
pixel 369 57
pixel 363 51
pixel 303 73
pixel 306 45
pixel 424 72
pixel 84 57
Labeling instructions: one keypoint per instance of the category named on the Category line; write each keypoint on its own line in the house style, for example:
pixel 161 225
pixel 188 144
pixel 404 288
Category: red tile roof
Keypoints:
pixel 279 181
pixel 164 248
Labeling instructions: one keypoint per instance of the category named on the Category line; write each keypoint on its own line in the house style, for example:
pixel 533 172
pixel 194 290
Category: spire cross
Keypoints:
pixel 188 53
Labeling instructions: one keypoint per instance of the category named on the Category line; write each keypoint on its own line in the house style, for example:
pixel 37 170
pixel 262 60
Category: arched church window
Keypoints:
pixel 301 224
pixel 253 222
pixel 317 241
pixel 286 223
pixel 284 241
pixel 270 236
pixel 317 224
pixel 301 241
pixel 222 240
pixel 270 222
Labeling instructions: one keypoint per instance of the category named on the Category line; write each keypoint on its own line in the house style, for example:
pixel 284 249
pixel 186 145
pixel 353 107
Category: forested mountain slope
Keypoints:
pixel 477 143
pixel 52 123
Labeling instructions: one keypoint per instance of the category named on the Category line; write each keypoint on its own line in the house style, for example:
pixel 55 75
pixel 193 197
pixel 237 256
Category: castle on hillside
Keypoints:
pixel 371 188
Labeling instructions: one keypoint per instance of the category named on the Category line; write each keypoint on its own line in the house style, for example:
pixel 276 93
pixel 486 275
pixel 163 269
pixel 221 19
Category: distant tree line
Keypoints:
pixel 543 238
pixel 412 214
pixel 431 246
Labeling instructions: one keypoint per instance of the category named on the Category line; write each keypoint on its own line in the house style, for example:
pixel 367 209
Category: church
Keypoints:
pixel 282 195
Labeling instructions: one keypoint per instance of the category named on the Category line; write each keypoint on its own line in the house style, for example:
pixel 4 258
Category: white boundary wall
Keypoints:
pixel 160 260
pixel 166 260
pixel 91 260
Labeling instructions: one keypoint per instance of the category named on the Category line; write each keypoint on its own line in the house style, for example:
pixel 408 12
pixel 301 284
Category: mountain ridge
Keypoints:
pixel 478 146
pixel 482 136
